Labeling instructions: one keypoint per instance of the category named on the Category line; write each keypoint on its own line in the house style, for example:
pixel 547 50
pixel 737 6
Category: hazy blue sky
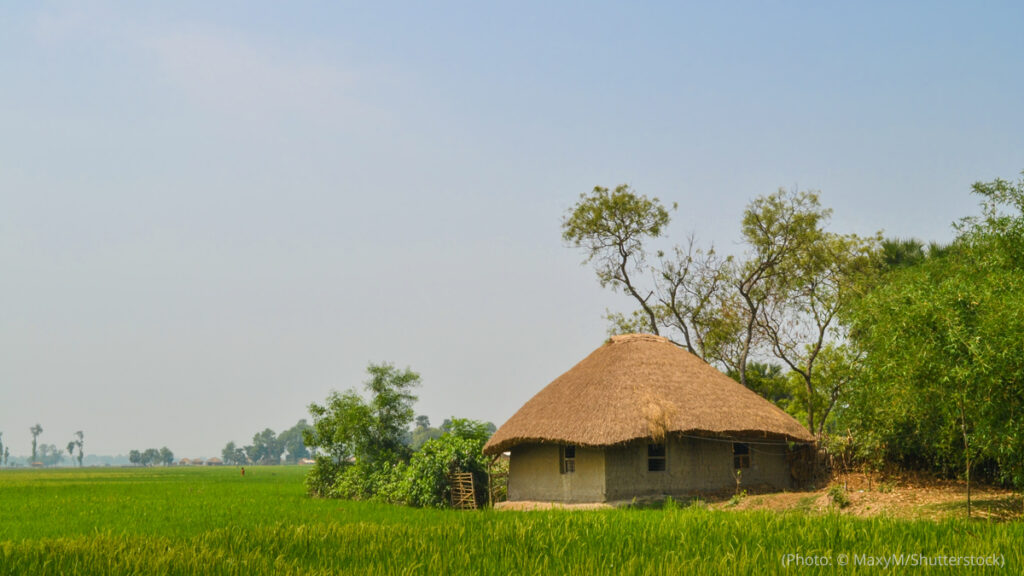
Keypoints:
pixel 212 214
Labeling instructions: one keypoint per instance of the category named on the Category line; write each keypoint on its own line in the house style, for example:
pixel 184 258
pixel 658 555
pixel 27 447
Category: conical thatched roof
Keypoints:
pixel 642 386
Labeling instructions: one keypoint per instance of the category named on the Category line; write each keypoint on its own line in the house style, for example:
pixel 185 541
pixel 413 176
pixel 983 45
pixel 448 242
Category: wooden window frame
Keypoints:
pixel 740 455
pixel 657 457
pixel 567 459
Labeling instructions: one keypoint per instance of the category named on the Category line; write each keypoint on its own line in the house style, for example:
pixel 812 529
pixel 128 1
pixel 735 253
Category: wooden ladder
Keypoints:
pixel 463 495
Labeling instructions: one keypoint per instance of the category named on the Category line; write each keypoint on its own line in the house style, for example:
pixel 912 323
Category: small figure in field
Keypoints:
pixel 243 470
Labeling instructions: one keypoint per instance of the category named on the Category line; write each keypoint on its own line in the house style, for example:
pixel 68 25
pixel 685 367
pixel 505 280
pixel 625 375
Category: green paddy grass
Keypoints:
pixel 214 521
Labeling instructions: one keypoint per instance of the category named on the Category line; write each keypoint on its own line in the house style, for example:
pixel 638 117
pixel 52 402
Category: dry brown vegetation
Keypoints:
pixel 901 495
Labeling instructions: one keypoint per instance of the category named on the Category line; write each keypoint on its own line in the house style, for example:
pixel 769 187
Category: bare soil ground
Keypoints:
pixel 532 505
pixel 902 495
pixel 905 495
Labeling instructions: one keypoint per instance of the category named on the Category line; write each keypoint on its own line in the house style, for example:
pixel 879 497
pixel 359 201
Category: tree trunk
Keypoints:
pixel 810 403
pixel 967 456
pixel 652 318
pixel 747 340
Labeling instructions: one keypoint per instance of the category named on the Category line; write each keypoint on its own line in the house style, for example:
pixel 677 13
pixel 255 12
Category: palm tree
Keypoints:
pixel 79 441
pixel 36 431
pixel 902 252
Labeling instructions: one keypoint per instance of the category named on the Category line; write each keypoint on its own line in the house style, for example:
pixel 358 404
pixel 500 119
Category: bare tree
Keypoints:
pixel 692 286
pixel 796 311
pixel 612 226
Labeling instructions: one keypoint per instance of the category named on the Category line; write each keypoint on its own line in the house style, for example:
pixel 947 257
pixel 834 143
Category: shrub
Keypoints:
pixel 322 477
pixel 363 481
pixel 838 496
pixel 427 477
pixel 423 481
pixel 737 498
pixel 389 484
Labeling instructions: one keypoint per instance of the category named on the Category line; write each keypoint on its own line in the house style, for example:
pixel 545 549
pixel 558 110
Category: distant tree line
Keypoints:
pixel 49 455
pixel 422 431
pixel 45 454
pixel 5 452
pixel 268 447
pixel 151 457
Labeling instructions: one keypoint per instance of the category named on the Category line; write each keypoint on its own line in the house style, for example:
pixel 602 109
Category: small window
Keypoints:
pixel 655 457
pixel 568 459
pixel 740 456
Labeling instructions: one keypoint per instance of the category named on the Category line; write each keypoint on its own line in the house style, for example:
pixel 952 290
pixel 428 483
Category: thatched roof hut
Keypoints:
pixel 643 386
pixel 642 418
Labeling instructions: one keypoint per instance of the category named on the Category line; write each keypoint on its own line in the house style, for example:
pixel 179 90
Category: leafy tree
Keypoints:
pixel 466 428
pixel 232 454
pixel 339 427
pixel 769 381
pixel 422 432
pixel 266 448
pixel 227 454
pixel 150 457
pixel 293 443
pixel 135 457
pixel 942 340
pixel 78 442
pixel 391 412
pixel 611 226
pixel 901 252
pixel 36 431
pixel 778 230
pixel 240 456
pixel 50 455
pixel 348 429
pixel 7 455
pixel 166 457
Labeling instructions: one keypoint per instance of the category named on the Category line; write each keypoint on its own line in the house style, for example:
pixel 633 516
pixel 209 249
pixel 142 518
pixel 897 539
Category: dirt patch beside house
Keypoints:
pixel 903 496
pixel 906 495
pixel 532 505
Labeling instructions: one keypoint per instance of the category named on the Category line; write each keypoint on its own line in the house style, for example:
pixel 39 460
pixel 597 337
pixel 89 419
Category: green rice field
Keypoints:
pixel 214 521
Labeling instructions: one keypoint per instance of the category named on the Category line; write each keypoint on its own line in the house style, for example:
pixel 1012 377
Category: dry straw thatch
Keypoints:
pixel 643 386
